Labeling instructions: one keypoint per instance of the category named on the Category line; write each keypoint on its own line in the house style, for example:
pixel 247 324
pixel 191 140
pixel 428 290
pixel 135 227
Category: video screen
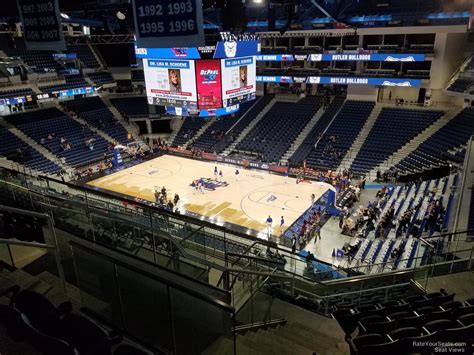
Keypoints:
pixel 238 80
pixel 170 82
pixel 208 76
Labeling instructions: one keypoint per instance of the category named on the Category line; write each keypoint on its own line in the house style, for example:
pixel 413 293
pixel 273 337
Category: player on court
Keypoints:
pixel 216 172
pixel 269 222
pixel 221 176
pixel 194 185
pixel 237 174
pixel 282 223
pixel 201 186
pixel 286 176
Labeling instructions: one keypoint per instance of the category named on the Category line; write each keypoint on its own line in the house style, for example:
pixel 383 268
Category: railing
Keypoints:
pixel 194 247
pixel 8 256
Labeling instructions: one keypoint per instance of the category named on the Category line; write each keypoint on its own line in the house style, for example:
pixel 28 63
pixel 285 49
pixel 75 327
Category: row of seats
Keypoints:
pixel 305 148
pixel 101 78
pixel 275 132
pixel 84 54
pixel 465 82
pixel 41 123
pixel 15 149
pixel 31 324
pixel 39 60
pixel 132 106
pixel 6 94
pixel 188 130
pixel 72 81
pixel 345 128
pixel 392 326
pixel 435 150
pixel 95 112
pixel 245 120
pixel 462 84
pixel 375 256
pixel 393 128
pixel 215 133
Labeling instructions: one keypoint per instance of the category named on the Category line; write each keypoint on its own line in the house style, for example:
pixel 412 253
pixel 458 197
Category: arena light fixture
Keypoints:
pixel 65 16
pixel 120 15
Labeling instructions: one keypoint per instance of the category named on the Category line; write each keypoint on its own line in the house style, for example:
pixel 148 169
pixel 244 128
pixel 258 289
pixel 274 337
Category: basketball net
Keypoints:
pixel 301 176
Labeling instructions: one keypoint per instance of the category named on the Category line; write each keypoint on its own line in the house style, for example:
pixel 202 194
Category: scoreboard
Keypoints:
pixel 205 79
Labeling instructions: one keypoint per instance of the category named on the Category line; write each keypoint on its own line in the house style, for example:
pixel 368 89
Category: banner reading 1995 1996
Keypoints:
pixel 168 23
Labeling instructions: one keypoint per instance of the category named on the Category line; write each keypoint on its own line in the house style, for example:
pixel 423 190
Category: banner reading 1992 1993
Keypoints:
pixel 42 28
pixel 168 23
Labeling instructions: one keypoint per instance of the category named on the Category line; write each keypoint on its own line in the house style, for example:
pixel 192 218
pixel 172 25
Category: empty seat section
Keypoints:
pixel 275 132
pixel 96 113
pixel 101 78
pixel 305 148
pixel 393 128
pixel 340 135
pixel 39 124
pixel 134 106
pixel 215 133
pixel 435 150
pixel 13 148
pixel 84 54
pixel 72 81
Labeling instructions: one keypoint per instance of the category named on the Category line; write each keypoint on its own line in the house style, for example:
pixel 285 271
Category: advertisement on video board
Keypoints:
pixel 238 80
pixel 170 82
pixel 208 77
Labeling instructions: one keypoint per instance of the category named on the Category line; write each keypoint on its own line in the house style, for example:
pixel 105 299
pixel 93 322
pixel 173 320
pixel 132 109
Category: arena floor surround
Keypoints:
pixel 244 201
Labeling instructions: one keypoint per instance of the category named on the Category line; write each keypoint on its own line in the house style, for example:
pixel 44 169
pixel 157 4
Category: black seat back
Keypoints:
pixel 85 335
pixel 405 332
pixel 440 324
pixel 467 319
pixel 40 312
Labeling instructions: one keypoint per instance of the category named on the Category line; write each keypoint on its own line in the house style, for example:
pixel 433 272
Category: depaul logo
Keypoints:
pixel 209 76
pixel 180 52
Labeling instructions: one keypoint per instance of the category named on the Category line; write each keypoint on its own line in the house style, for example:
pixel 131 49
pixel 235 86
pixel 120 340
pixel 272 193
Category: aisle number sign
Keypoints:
pixel 42 28
pixel 168 23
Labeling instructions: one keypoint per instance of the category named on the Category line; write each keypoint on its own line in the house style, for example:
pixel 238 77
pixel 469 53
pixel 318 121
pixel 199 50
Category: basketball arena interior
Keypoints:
pixel 284 177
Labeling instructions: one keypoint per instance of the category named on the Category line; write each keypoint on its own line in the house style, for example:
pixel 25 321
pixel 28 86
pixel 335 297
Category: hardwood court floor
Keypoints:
pixel 246 201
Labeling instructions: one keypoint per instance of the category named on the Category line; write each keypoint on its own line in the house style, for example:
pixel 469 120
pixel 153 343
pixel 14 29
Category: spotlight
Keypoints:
pixel 65 16
pixel 120 15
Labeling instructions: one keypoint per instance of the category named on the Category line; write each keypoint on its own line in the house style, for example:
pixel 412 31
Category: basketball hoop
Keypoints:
pixel 301 175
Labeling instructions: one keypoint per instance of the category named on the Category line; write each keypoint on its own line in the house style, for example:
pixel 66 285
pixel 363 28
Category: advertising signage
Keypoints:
pixel 401 82
pixel 222 50
pixel 349 57
pixel 208 79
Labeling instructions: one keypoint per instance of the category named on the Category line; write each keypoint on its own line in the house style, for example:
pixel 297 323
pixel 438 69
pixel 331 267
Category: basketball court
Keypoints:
pixel 244 201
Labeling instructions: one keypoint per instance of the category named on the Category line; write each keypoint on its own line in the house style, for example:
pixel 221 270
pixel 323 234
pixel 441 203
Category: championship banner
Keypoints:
pixel 42 28
pixel 168 23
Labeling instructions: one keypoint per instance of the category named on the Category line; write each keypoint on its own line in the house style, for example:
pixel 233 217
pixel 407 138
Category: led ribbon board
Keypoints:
pixel 401 82
pixel 348 57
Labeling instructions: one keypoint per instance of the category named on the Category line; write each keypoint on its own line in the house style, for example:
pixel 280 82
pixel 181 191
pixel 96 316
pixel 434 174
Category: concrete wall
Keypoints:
pixel 449 54
pixel 362 92
pixel 407 94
